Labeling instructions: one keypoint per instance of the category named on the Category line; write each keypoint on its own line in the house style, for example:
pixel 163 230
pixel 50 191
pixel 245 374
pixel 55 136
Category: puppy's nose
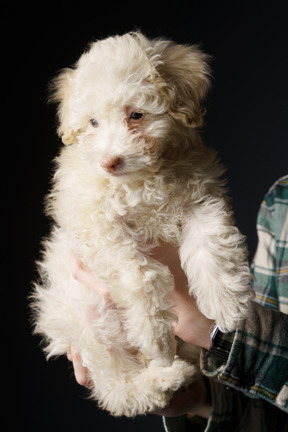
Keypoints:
pixel 109 164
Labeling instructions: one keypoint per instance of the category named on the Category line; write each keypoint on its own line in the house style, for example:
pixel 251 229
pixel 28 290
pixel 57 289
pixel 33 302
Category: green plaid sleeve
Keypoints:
pixel 258 360
pixel 270 265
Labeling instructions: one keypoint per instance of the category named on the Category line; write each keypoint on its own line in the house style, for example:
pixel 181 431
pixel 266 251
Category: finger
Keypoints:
pixel 87 277
pixel 169 256
pixel 194 399
pixel 69 355
pixel 80 371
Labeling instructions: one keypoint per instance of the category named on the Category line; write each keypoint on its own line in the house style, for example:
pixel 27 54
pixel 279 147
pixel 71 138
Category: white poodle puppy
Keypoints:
pixel 133 174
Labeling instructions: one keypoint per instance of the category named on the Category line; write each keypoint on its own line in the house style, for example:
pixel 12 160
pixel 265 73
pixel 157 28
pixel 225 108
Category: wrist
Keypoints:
pixel 206 340
pixel 202 334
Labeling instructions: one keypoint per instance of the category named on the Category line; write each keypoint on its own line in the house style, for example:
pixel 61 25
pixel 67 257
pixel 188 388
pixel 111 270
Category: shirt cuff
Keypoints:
pixel 257 362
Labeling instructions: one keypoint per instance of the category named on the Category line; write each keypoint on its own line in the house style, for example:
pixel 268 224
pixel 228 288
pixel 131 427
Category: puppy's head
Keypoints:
pixel 125 96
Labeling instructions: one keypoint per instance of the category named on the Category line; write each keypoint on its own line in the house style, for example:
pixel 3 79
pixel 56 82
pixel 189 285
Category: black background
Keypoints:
pixel 246 121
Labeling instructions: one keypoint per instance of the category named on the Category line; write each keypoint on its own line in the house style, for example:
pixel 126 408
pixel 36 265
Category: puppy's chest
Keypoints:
pixel 152 211
pixel 155 221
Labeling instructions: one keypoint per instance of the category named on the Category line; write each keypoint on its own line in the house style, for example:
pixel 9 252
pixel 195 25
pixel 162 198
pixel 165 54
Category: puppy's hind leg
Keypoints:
pixel 146 309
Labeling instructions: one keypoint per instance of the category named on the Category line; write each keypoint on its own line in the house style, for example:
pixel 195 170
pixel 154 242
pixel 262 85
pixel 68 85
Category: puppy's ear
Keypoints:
pixel 186 76
pixel 61 91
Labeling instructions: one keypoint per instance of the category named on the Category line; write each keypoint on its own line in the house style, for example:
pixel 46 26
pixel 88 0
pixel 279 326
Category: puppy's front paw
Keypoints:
pixel 175 376
pixel 231 311
pixel 227 306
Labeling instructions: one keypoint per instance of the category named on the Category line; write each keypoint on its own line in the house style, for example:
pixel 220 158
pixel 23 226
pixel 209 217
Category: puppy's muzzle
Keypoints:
pixel 110 164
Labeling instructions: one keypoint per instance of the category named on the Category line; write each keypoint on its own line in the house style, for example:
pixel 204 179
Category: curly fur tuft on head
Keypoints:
pixel 173 78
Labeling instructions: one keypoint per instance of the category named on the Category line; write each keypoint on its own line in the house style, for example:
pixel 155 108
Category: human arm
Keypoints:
pixel 257 360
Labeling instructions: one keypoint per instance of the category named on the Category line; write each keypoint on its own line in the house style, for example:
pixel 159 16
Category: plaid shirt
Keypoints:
pixel 253 382
pixel 270 266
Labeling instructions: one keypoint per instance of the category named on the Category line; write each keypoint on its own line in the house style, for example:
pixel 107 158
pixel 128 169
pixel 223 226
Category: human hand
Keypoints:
pixel 191 325
pixel 194 400
pixel 88 278
pixel 81 372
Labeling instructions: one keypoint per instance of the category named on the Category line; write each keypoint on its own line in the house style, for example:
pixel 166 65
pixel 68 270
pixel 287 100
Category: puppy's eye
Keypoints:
pixel 136 115
pixel 94 122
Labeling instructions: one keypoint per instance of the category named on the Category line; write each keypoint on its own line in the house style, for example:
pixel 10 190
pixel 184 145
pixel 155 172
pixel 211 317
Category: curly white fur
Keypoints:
pixel 136 173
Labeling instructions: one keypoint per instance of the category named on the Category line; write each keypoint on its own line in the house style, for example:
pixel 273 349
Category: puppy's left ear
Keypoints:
pixel 186 75
pixel 62 88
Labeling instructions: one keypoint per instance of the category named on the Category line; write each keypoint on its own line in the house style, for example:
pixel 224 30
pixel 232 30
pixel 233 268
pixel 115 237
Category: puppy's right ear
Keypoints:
pixel 184 81
pixel 61 92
